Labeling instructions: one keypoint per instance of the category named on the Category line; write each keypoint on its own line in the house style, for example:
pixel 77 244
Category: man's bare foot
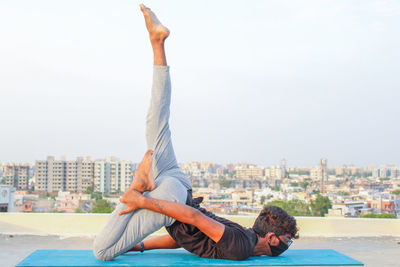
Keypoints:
pixel 158 32
pixel 143 180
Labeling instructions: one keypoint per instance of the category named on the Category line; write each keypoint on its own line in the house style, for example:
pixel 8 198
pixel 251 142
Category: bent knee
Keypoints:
pixel 170 189
pixel 102 253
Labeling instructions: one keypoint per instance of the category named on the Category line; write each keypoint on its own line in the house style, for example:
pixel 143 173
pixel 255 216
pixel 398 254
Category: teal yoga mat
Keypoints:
pixel 171 257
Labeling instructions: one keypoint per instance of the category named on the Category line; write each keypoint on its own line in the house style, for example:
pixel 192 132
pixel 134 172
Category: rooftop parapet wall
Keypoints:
pixel 91 224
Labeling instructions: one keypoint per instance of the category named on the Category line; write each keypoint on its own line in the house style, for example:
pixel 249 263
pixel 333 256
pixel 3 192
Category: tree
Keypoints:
pixel 396 192
pixel 223 182
pixel 293 207
pixel 379 216
pixel 320 206
pixel 102 206
pixel 262 200
pixel 232 173
pixel 89 190
pixel 304 184
pixel 96 195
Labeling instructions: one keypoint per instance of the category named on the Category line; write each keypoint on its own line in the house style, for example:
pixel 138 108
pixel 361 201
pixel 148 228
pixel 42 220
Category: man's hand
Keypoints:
pixel 133 199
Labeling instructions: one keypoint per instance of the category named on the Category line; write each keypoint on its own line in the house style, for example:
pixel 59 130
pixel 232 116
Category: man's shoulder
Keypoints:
pixel 237 242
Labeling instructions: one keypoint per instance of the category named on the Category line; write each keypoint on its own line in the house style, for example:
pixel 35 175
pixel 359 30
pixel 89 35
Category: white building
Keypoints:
pixel 62 175
pixel 276 172
pixel 320 173
pixel 351 209
pixel 17 175
pixel 112 175
pixel 6 198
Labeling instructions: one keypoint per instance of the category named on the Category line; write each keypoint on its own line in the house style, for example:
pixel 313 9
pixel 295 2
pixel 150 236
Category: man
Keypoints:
pixel 160 194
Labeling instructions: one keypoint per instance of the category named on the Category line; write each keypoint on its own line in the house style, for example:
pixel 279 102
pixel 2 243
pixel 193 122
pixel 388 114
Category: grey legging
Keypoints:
pixel 122 232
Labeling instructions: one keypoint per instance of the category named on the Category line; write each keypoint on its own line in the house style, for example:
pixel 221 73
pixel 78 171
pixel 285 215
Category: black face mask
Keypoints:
pixel 279 249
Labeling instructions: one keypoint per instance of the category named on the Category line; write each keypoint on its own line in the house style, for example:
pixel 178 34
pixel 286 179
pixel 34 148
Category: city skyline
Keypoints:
pixel 275 163
pixel 298 80
pixel 349 191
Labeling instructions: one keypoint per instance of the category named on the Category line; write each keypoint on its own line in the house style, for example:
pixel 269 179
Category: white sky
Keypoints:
pixel 253 81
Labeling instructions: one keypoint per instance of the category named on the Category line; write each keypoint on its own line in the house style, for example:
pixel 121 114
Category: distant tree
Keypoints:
pixel 89 190
pixel 320 205
pixel 232 173
pixel 262 200
pixel 396 192
pixel 96 195
pixel 300 172
pixel 367 174
pixel 102 206
pixel 379 216
pixel 223 182
pixel 78 210
pixel 276 188
pixel 304 184
pixel 293 207
pixel 294 184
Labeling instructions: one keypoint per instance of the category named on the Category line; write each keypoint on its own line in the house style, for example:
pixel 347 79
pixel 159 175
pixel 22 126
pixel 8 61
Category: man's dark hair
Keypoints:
pixel 276 220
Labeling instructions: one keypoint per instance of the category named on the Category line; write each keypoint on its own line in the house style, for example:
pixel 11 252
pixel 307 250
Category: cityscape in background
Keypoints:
pixel 84 185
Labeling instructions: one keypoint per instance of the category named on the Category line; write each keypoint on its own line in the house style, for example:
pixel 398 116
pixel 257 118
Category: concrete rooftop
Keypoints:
pixel 372 251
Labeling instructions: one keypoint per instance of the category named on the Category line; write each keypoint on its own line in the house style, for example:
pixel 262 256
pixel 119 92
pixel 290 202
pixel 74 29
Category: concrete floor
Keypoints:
pixel 372 251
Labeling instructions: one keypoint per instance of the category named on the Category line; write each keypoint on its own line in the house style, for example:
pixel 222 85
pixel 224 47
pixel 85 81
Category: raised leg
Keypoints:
pixel 158 134
pixel 122 232
pixel 160 157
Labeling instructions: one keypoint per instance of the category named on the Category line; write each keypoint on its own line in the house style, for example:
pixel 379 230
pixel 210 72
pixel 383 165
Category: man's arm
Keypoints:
pixel 158 242
pixel 183 213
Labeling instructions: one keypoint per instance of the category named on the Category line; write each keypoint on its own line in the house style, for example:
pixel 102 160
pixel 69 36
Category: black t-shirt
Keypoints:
pixel 237 242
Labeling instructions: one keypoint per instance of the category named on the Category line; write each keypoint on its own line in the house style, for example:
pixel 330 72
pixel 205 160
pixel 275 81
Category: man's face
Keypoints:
pixel 278 244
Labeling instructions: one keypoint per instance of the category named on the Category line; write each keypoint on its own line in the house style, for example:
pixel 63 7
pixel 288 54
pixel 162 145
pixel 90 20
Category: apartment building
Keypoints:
pixel 79 174
pixel 112 175
pixel 386 171
pixel 276 172
pixel 250 172
pixel 55 175
pixel 50 174
pixel 17 175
